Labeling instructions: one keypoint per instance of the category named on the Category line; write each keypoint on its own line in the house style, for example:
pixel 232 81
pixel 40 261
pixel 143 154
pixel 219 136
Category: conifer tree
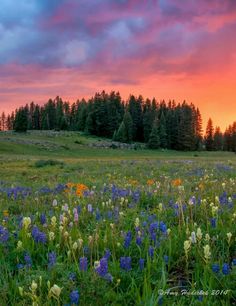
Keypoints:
pixel 198 131
pixel 121 133
pixel 135 110
pixel 89 125
pixel 162 131
pixel 154 139
pixel 128 122
pixel 209 141
pixel 21 120
pixel 148 118
pixel 218 139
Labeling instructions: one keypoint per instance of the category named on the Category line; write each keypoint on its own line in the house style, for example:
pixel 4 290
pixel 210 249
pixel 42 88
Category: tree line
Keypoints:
pixel 171 125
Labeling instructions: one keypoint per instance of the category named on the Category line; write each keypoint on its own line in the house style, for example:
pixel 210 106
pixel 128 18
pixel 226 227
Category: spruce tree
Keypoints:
pixel 148 118
pixel 125 130
pixel 121 133
pixel 128 123
pixel 20 123
pixel 162 131
pixel 198 130
pixel 218 139
pixel 154 139
pixel 135 110
pixel 89 125
pixel 209 142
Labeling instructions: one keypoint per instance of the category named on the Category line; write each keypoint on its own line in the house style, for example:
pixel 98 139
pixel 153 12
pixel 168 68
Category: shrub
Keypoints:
pixel 49 162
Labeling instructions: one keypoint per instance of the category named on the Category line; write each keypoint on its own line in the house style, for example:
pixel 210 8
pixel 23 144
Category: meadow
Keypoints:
pixel 82 223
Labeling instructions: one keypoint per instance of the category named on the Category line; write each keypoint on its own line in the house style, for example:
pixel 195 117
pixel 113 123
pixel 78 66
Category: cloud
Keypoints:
pixel 73 48
pixel 76 52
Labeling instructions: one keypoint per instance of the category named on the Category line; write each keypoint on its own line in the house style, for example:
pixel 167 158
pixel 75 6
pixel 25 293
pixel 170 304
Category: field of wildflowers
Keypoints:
pixel 125 232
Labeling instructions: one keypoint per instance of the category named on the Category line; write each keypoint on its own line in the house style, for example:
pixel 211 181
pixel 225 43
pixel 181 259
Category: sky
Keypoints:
pixel 168 49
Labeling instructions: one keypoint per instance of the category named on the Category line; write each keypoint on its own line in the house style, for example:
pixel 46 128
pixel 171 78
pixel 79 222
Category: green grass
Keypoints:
pixel 76 145
pixel 45 159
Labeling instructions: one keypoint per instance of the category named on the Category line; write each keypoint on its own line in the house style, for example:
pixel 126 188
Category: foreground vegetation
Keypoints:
pixel 86 225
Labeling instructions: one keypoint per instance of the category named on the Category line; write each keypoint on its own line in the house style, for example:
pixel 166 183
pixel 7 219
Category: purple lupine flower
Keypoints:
pixel 43 219
pixel 125 263
pixel 141 263
pixel 213 222
pixel 4 234
pixel 38 236
pixel 215 268
pixel 234 262
pixel 74 297
pixel 151 251
pixel 28 260
pixel 163 227
pixel 128 239
pixel 152 230
pixel 153 236
pixel 83 264
pixel 138 240
pixel 153 227
pixel 52 258
pixel 225 269
pixel 102 268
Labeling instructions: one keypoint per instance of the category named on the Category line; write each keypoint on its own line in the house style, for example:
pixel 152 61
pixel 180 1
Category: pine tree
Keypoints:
pixel 115 113
pixel 128 122
pixel 81 114
pixel 89 125
pixel 198 129
pixel 135 110
pixel 125 130
pixel 234 137
pixel 148 118
pixel 154 139
pixel 21 120
pixel 230 138
pixel 162 131
pixel 60 123
pixel 121 133
pixel 209 142
pixel 218 139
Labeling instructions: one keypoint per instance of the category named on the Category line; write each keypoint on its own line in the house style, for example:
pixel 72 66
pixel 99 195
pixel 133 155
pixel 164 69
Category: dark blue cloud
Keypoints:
pixel 72 33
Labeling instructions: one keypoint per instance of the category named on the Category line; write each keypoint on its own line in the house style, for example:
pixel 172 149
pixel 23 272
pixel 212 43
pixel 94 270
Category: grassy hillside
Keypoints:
pixel 49 157
pixel 76 145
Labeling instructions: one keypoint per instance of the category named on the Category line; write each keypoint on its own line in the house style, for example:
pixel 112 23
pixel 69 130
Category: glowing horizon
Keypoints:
pixel 158 49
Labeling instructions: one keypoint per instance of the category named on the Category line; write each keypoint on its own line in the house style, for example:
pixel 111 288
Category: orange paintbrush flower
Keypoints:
pixel 177 182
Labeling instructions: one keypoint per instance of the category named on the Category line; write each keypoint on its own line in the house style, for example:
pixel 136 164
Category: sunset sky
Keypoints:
pixel 169 49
